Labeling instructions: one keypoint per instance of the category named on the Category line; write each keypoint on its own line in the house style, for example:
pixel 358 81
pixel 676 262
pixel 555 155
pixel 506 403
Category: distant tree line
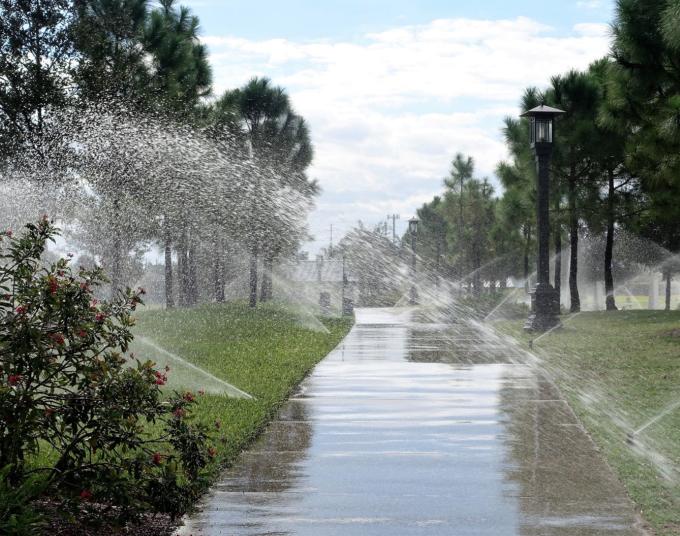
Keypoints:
pixel 615 170
pixel 218 183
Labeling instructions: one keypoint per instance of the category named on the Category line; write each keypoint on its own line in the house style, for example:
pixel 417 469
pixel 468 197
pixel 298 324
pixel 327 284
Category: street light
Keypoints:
pixel 413 225
pixel 413 231
pixel 545 300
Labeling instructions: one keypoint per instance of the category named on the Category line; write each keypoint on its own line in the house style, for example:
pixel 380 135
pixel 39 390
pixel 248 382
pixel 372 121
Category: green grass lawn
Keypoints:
pixel 619 370
pixel 265 352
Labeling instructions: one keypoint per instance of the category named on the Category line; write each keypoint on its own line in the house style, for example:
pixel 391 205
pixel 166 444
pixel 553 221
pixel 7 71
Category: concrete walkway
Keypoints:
pixel 412 428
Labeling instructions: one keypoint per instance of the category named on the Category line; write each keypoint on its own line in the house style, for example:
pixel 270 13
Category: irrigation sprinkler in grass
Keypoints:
pixel 548 332
pixel 630 436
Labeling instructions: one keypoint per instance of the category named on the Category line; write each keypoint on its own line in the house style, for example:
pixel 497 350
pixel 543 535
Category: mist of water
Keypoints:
pixel 184 373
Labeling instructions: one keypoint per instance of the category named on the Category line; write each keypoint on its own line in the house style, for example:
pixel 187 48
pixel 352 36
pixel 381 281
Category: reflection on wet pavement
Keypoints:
pixel 419 429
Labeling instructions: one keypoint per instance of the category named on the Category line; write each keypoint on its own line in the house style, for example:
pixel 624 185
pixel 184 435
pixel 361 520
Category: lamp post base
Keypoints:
pixel 545 309
pixel 413 296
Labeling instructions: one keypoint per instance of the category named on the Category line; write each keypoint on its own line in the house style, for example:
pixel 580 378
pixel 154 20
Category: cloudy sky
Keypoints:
pixel 392 89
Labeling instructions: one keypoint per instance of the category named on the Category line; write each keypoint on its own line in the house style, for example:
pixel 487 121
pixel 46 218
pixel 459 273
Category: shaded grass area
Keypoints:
pixel 265 352
pixel 620 370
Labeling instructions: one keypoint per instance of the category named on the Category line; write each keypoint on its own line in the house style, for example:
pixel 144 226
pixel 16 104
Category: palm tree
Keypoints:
pixel 577 94
pixel 276 137
pixel 181 76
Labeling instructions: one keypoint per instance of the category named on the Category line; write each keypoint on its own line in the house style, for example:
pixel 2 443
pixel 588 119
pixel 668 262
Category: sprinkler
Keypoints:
pixel 531 344
pixel 630 438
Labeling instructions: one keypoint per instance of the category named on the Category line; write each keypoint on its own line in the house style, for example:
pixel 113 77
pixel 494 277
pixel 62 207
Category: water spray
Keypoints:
pixel 531 342
pixel 658 417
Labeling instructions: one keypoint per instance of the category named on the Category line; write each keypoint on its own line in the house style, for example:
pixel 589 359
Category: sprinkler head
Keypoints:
pixel 630 438
pixel 531 344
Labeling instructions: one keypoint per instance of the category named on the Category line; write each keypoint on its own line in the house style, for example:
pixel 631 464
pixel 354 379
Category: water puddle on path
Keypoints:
pixel 419 428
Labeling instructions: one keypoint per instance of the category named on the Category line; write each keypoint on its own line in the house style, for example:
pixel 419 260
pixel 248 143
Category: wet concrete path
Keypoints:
pixel 414 428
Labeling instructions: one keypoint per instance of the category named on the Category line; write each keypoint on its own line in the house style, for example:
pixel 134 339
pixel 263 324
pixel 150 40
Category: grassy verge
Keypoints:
pixel 265 352
pixel 620 370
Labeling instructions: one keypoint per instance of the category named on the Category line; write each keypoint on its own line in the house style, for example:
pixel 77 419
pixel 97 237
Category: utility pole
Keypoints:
pixel 330 247
pixel 394 218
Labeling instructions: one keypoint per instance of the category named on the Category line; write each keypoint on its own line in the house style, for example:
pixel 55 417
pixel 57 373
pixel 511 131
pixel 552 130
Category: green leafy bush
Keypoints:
pixel 17 514
pixel 67 388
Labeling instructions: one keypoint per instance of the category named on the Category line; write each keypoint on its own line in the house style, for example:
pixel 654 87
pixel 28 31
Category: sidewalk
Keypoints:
pixel 419 429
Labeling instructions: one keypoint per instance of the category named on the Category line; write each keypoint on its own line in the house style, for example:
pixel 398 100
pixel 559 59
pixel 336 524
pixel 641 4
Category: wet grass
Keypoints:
pixel 619 370
pixel 265 352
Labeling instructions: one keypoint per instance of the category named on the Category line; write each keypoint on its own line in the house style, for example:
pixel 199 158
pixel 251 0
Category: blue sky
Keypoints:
pixel 348 19
pixel 392 89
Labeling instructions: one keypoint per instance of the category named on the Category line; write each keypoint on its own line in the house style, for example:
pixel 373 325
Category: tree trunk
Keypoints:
pixel 116 265
pixel 169 298
pixel 266 286
pixel 116 260
pixel 182 268
pixel 218 272
pixel 558 248
pixel 192 283
pixel 669 280
pixel 609 247
pixel 476 277
pixel 573 243
pixel 253 278
pixel 270 275
pixel 527 243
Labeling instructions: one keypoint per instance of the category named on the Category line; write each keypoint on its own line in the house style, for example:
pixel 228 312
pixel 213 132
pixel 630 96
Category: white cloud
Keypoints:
pixel 593 29
pixel 388 111
pixel 589 4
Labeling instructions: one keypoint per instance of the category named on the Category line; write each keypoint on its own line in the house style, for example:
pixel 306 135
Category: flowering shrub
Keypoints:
pixel 67 390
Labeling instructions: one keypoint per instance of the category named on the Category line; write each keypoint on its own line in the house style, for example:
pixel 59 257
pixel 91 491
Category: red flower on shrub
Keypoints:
pixel 58 338
pixel 201 392
pixel 72 388
pixel 160 378
pixel 52 285
pixel 189 396
pixel 9 233
pixel 99 317
pixel 13 379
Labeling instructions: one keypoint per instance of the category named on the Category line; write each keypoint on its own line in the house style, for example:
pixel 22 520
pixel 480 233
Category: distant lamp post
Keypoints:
pixel 413 231
pixel 545 300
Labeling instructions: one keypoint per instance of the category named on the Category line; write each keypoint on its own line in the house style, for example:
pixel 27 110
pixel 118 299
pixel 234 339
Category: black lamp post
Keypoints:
pixel 413 231
pixel 545 300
